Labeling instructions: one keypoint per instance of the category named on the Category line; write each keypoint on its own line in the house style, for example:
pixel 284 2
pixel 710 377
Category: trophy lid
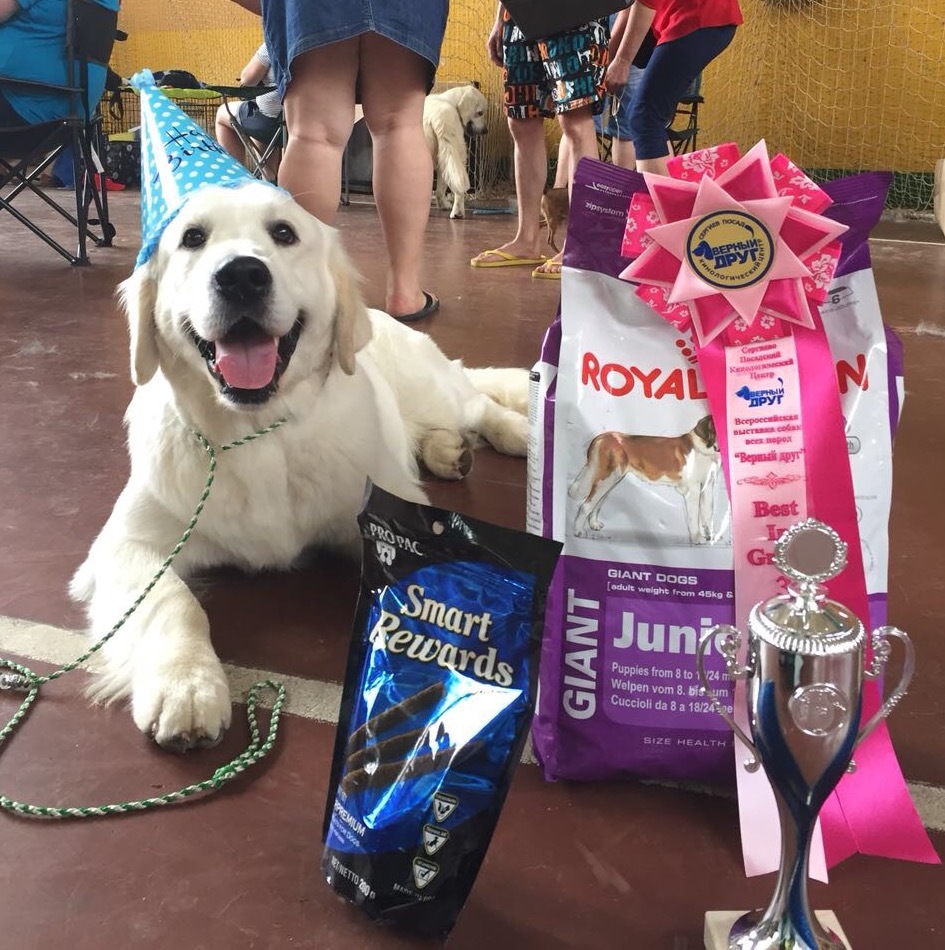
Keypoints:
pixel 803 620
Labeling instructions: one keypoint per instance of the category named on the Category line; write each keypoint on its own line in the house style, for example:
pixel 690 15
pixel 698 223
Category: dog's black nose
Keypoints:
pixel 243 279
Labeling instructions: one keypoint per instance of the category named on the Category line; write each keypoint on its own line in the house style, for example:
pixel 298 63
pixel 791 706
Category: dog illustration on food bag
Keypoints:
pixel 689 462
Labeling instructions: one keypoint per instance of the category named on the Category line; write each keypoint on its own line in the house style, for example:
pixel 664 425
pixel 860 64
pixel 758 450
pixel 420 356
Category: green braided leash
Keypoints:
pixel 23 678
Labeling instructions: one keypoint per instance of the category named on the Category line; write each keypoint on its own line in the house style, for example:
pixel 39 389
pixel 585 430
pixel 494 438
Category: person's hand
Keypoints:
pixel 618 72
pixel 494 44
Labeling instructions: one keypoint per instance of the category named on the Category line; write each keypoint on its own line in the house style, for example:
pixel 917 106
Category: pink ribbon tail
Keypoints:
pixel 871 810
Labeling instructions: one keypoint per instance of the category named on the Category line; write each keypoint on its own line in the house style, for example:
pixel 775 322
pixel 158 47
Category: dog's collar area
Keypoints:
pixel 244 333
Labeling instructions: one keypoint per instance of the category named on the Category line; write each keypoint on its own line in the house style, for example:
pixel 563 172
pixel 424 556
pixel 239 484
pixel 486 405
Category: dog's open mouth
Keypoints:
pixel 247 363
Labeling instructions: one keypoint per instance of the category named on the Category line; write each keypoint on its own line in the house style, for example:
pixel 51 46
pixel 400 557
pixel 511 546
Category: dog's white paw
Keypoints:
pixel 511 437
pixel 446 454
pixel 182 705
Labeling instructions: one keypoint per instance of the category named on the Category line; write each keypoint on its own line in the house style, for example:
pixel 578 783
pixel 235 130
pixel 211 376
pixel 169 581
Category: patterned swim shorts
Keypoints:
pixel 556 74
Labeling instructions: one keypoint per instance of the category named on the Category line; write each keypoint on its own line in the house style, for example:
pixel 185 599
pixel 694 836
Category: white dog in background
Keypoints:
pixel 448 117
pixel 248 313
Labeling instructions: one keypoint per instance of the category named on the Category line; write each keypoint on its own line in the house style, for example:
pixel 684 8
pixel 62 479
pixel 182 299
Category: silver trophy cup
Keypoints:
pixel 805 665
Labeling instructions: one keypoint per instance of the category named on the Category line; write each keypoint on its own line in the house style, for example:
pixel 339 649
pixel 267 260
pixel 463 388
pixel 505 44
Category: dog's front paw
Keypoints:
pixel 446 454
pixel 183 705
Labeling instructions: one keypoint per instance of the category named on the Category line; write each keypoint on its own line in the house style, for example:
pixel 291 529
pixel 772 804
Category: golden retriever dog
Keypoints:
pixel 249 313
pixel 448 117
pixel 689 462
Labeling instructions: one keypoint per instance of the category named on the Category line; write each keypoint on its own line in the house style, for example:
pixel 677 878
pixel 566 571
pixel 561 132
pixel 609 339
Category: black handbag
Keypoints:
pixel 540 18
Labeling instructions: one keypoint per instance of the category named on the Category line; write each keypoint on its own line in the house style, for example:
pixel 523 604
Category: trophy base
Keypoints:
pixel 718 926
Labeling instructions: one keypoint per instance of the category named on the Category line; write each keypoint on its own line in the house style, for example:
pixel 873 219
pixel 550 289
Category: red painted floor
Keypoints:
pixel 607 865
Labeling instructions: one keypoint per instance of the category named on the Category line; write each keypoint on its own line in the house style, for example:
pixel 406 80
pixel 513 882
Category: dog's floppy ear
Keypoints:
pixel 138 296
pixel 352 329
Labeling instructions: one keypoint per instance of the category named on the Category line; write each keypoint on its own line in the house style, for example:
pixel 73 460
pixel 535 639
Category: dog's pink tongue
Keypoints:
pixel 247 364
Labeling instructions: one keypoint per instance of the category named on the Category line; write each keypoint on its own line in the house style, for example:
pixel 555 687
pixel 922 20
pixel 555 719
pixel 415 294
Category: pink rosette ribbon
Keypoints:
pixel 735 251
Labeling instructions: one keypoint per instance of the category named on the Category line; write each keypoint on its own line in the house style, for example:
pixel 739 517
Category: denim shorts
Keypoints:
pixel 556 74
pixel 294 27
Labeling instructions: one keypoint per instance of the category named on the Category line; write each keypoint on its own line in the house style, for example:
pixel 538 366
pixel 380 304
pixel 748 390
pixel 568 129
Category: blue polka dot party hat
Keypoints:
pixel 177 158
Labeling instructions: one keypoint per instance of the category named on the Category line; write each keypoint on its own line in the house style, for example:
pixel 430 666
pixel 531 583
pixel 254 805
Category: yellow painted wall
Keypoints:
pixel 211 38
pixel 848 84
pixel 853 84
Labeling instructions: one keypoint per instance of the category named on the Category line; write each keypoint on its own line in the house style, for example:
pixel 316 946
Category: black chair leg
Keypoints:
pixel 24 180
pixel 55 245
pixel 97 193
pixel 80 184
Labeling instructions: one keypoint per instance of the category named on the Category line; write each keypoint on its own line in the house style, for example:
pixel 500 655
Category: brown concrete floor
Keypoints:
pixel 608 865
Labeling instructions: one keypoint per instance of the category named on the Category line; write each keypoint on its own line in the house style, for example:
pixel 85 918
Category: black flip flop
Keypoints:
pixel 431 304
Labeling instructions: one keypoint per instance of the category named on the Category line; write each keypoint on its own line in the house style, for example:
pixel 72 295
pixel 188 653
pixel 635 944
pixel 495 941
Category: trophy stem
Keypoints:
pixel 787 923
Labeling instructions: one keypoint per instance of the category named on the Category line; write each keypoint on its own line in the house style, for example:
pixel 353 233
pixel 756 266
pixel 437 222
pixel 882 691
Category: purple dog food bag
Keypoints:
pixel 617 407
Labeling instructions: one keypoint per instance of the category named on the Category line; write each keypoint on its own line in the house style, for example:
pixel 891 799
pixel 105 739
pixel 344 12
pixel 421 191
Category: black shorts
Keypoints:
pixel 255 124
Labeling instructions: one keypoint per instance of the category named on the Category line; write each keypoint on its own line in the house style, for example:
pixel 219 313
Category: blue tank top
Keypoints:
pixel 33 46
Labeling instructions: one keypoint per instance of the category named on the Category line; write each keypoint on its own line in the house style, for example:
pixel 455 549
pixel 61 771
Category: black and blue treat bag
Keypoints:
pixel 438 699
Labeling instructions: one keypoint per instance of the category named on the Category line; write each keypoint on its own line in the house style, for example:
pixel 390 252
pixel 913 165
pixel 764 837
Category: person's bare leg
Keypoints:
pixel 393 89
pixel 319 114
pixel 578 140
pixel 656 165
pixel 531 172
pixel 623 153
pixel 577 126
pixel 226 135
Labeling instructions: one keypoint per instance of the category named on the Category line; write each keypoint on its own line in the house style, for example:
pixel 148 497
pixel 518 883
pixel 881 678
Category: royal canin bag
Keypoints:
pixel 647 558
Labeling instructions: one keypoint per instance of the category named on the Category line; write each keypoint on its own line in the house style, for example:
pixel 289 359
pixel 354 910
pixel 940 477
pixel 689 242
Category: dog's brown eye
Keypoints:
pixel 193 237
pixel 283 234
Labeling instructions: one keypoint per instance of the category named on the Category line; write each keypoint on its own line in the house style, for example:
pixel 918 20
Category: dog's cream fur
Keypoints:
pixel 689 462
pixel 448 117
pixel 362 396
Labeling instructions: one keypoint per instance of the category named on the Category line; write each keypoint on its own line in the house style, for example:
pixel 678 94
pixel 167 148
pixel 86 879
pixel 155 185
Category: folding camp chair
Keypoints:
pixel 27 151
pixel 257 158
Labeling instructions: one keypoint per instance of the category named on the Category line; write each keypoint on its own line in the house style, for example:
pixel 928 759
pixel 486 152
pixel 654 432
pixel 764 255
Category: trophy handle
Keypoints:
pixel 881 652
pixel 729 650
